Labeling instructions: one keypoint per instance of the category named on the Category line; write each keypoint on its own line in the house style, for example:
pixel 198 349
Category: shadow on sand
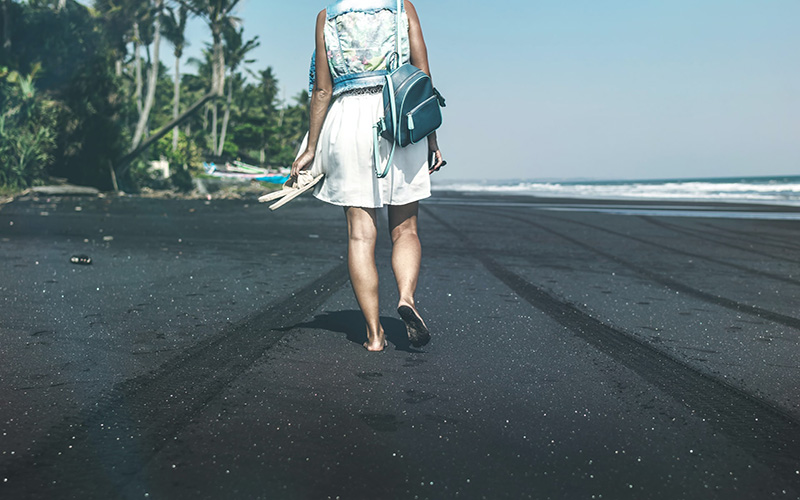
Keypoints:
pixel 352 324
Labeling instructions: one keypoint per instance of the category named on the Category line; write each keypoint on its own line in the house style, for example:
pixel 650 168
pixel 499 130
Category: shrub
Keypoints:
pixel 27 131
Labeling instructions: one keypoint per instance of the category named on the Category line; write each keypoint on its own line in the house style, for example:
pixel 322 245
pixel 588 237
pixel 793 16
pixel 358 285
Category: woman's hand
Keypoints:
pixel 435 158
pixel 302 162
pixel 435 161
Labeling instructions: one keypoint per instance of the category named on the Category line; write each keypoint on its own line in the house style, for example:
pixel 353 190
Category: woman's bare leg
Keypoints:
pixel 406 258
pixel 406 250
pixel 362 231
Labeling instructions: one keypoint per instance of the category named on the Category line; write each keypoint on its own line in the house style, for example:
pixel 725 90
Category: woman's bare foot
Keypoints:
pixel 418 333
pixel 376 344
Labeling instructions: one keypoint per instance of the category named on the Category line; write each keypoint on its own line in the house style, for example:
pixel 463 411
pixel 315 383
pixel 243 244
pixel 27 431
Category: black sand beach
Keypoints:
pixel 581 349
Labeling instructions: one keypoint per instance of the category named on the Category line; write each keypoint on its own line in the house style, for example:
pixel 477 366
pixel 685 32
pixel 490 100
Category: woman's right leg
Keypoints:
pixel 406 257
pixel 406 250
pixel 362 232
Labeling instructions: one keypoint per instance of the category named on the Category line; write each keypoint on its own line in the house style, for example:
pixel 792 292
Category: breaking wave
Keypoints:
pixel 773 190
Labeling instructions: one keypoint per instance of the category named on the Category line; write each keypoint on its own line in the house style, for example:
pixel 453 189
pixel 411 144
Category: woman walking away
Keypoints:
pixel 355 43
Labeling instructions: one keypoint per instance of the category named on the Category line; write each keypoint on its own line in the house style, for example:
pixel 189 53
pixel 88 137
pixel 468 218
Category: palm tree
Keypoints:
pixel 152 77
pixel 138 12
pixel 133 22
pixel 268 85
pixel 204 69
pixel 235 52
pixel 217 14
pixel 174 28
pixel 121 20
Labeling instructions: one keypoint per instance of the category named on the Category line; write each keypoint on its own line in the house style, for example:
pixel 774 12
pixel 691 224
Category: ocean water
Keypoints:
pixel 779 190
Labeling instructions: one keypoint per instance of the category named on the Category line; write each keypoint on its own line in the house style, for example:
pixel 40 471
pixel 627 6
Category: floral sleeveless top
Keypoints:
pixel 360 39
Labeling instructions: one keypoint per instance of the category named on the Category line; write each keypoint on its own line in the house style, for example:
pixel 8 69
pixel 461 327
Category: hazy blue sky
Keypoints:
pixel 608 89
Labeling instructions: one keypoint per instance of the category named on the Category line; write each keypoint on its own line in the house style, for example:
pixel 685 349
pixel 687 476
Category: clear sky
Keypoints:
pixel 611 89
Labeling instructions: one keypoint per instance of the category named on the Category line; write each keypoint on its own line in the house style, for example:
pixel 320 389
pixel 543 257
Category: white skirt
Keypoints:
pixel 345 155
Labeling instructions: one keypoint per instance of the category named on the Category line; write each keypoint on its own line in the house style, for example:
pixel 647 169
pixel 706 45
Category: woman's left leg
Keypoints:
pixel 362 231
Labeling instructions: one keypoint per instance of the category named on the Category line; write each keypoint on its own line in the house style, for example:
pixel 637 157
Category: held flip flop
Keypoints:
pixel 292 189
pixel 275 194
pixel 289 186
pixel 418 333
pixel 305 181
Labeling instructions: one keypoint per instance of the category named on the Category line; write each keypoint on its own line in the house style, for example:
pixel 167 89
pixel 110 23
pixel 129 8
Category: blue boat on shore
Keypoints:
pixel 239 170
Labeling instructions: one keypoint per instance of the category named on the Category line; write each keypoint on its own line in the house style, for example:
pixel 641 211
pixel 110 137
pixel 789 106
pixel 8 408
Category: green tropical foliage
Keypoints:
pixel 26 130
pixel 91 101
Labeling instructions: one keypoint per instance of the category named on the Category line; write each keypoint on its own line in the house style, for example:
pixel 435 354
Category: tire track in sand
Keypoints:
pixel 766 432
pixel 704 236
pixel 96 453
pixel 767 274
pixel 668 282
pixel 764 238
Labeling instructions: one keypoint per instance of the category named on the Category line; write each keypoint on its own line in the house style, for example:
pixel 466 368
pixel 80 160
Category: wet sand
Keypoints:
pixel 581 349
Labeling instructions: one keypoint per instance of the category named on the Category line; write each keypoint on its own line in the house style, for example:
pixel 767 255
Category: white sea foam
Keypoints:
pixel 784 191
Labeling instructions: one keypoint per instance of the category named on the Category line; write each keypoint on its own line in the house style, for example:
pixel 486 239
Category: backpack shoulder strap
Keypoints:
pixel 379 127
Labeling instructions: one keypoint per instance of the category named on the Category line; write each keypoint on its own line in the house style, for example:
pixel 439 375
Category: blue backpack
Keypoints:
pixel 411 107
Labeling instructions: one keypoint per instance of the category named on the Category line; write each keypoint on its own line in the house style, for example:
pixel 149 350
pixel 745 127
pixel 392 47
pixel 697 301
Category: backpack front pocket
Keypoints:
pixel 423 119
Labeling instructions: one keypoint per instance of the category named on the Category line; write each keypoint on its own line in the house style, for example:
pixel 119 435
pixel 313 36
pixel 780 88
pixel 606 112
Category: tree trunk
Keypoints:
pixel 152 80
pixel 137 64
pixel 176 101
pixel 217 77
pixel 226 117
pixel 213 125
pixel 280 127
pixel 113 178
pixel 6 26
pixel 218 62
